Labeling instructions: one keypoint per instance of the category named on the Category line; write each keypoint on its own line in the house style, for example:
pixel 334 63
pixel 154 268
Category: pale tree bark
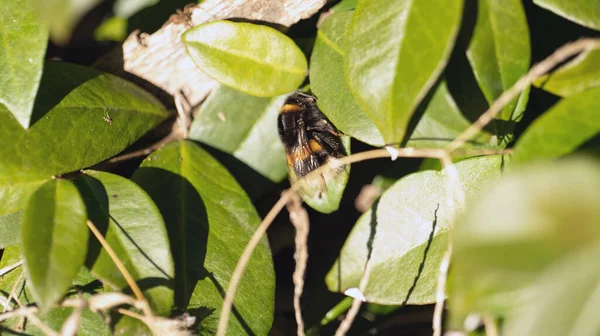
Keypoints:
pixel 159 63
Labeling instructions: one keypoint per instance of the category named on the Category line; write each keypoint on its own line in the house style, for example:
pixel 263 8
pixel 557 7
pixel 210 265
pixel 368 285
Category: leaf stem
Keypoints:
pixel 130 281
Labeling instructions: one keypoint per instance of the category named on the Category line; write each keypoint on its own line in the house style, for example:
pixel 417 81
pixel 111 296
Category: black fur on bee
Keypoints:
pixel 308 137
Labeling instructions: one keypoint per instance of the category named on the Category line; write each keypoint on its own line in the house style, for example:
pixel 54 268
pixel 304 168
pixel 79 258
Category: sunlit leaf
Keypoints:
pixel 404 235
pixel 344 5
pixel 499 52
pixel 63 15
pixel 442 122
pixel 10 226
pixel 561 129
pixel 581 73
pixel 209 219
pixel 126 8
pixel 522 224
pixel 81 117
pixel 134 228
pixel 244 126
pixel 24 38
pixel 397 50
pixel 328 83
pixel 564 300
pixel 583 12
pixel 54 239
pixel 251 58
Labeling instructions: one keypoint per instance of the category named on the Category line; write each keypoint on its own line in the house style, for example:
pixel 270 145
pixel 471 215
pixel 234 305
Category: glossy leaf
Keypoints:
pixel 442 122
pixel 583 12
pixel 134 228
pixel 81 117
pixel 209 220
pixel 553 212
pixel 54 238
pixel 244 126
pixel 254 59
pixel 574 283
pixel 63 15
pixel 344 5
pixel 10 227
pixel 14 195
pixel 329 201
pixel 328 83
pixel 404 235
pixel 561 129
pixel 499 52
pixel 24 38
pixel 581 73
pixel 397 50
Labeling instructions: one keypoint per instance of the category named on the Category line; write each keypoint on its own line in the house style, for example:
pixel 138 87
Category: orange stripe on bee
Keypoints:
pixel 289 108
pixel 315 146
pixel 300 154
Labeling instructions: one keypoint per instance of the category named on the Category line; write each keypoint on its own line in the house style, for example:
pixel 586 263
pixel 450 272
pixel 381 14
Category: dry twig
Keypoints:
pixel 299 218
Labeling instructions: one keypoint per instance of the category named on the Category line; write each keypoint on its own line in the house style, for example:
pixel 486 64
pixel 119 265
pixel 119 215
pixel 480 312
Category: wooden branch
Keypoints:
pixel 159 63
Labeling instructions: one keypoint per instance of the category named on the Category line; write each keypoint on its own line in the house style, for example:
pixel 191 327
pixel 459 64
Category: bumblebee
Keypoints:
pixel 310 140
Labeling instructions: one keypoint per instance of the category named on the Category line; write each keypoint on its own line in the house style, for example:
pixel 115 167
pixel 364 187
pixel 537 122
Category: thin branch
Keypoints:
pixel 7 269
pixel 489 323
pixel 245 257
pixel 35 320
pixel 13 291
pixel 183 117
pixel 538 70
pixel 130 281
pixel 299 218
pixel 144 151
pixel 357 302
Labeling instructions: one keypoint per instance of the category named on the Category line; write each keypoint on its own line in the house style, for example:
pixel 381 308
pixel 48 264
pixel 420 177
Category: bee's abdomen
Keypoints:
pixel 287 124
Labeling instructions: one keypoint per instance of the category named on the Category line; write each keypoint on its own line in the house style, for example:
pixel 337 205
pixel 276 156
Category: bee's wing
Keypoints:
pixel 302 161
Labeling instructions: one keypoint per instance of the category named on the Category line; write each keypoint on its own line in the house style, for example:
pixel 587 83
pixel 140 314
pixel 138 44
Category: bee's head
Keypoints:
pixel 300 98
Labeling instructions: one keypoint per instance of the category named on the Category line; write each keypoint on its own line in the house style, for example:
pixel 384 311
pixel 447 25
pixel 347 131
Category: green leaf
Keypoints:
pixel 520 225
pixel 254 59
pixel 328 83
pixel 564 301
pixel 10 226
pixel 14 195
pixel 63 15
pixel 209 220
pixel 404 235
pixel 131 326
pixel 581 73
pixel 329 201
pixel 90 324
pixel 112 29
pixel 397 50
pixel 442 122
pixel 54 238
pixel 561 129
pixel 243 126
pixel 499 51
pixel 344 5
pixel 81 117
pixel 583 12
pixel 126 8
pixel 24 40
pixel 134 228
